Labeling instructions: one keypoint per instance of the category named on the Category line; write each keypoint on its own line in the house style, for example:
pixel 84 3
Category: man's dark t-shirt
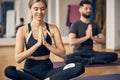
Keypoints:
pixel 79 28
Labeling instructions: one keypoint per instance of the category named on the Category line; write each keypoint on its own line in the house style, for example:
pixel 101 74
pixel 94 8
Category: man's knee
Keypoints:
pixel 111 57
pixel 115 56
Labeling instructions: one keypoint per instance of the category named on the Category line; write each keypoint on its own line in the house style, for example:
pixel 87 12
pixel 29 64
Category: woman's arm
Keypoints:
pixel 58 49
pixel 20 54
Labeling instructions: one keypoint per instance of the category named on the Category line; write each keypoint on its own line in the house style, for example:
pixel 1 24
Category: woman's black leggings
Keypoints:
pixel 62 73
pixel 91 57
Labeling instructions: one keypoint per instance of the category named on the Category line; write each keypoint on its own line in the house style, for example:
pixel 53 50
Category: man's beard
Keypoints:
pixel 86 16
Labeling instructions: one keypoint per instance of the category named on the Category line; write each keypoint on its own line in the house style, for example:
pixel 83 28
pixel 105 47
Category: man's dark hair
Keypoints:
pixel 22 19
pixel 85 2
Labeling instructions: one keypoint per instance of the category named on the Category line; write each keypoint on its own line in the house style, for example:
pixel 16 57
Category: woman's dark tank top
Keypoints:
pixel 42 50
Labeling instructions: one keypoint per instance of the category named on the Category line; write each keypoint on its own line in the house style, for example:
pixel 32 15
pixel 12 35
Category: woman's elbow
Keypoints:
pixel 63 53
pixel 17 60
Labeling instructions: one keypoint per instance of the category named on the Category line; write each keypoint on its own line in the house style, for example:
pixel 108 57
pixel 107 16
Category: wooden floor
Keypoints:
pixel 7 59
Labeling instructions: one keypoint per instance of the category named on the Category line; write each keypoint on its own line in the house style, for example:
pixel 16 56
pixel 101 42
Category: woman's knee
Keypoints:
pixel 80 67
pixel 9 70
pixel 47 78
pixel 75 68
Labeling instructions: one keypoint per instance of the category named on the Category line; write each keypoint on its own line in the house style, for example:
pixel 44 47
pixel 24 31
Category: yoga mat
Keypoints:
pixel 100 77
pixel 117 62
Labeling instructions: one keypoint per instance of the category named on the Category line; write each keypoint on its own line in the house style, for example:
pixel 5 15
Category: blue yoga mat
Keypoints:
pixel 101 77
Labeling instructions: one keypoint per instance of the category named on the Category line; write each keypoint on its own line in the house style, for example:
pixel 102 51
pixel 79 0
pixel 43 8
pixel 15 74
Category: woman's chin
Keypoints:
pixel 40 19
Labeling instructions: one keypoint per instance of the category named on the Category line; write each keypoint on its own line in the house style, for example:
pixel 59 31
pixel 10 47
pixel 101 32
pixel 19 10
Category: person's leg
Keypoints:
pixel 66 72
pixel 104 57
pixel 82 57
pixel 14 74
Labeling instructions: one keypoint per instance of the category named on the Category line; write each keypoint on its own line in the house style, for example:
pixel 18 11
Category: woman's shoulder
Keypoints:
pixel 53 26
pixel 23 29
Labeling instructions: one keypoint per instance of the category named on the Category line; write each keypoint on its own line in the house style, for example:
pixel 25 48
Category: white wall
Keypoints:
pixel 10 23
pixel 10 26
pixel 22 10
pixel 117 24
pixel 113 24
pixel 51 11
pixel 63 15
pixel 110 38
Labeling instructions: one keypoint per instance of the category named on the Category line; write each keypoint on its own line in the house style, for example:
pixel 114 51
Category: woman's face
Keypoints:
pixel 38 10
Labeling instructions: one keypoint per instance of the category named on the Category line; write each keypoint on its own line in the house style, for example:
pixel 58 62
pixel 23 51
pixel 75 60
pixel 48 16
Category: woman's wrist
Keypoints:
pixel 47 45
pixel 38 44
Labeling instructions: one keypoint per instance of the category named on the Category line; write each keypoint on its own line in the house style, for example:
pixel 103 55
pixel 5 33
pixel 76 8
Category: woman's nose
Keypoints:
pixel 39 10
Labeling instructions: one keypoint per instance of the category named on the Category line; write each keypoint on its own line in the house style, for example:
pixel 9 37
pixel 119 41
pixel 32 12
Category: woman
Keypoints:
pixel 37 36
